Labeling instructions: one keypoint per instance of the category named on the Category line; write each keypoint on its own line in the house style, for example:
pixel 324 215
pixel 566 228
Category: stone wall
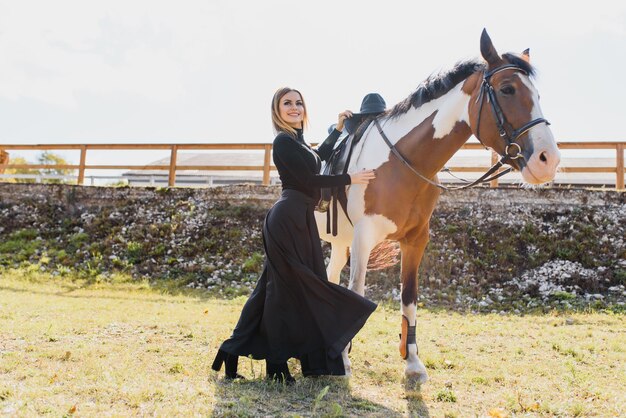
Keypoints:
pixel 498 199
pixel 490 249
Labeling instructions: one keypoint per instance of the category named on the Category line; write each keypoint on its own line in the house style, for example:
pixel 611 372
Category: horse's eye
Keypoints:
pixel 507 90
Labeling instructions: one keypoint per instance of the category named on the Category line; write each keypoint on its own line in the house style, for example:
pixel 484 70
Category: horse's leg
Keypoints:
pixel 338 258
pixel 412 253
pixel 365 239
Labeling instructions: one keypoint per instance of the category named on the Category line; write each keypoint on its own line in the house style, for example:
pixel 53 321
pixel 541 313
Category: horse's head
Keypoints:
pixel 505 115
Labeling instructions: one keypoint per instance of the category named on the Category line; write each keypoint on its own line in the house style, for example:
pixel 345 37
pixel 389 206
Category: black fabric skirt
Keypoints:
pixel 294 311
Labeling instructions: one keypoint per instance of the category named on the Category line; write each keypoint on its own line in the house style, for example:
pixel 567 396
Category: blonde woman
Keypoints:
pixel 294 311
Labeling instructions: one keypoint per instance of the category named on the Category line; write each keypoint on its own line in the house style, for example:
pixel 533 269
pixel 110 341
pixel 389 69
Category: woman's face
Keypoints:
pixel 291 109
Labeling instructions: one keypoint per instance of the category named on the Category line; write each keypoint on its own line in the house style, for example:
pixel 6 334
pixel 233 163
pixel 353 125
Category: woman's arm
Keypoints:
pixel 326 148
pixel 292 158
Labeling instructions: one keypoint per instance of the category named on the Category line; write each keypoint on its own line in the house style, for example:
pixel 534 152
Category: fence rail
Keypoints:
pixel 266 168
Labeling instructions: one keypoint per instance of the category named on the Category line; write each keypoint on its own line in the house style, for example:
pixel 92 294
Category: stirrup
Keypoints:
pixel 406 337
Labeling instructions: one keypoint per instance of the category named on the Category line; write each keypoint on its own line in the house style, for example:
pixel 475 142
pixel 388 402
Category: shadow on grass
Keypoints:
pixel 320 396
pixel 415 402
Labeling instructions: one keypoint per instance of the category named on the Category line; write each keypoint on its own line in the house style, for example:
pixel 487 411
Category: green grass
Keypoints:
pixel 93 349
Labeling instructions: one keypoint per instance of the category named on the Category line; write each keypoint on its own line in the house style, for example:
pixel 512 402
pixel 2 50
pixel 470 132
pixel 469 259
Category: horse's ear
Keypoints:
pixel 526 55
pixel 487 49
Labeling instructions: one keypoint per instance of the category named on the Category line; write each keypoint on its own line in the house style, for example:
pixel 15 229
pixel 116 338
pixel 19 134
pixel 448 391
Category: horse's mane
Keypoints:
pixel 437 85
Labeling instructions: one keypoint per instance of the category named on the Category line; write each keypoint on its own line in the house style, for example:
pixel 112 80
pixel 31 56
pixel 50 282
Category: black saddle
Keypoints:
pixel 338 164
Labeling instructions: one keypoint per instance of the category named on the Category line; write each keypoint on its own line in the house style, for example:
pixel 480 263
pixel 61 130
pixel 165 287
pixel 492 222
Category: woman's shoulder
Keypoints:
pixel 283 139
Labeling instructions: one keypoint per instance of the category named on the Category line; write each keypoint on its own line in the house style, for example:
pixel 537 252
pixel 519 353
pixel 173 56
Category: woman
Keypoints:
pixel 294 311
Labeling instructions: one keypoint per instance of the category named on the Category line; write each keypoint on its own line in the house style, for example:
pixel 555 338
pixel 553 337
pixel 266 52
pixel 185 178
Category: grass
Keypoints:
pixel 72 348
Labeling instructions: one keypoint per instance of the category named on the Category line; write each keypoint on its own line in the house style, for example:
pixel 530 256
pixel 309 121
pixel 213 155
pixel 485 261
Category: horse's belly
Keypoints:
pixel 344 228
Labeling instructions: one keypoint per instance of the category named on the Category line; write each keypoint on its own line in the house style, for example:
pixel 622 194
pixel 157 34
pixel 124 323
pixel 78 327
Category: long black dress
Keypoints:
pixel 294 311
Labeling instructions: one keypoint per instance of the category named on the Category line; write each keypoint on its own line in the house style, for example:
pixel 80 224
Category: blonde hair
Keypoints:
pixel 279 124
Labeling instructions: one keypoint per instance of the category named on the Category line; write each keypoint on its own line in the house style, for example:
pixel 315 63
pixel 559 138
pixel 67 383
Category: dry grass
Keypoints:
pixel 129 351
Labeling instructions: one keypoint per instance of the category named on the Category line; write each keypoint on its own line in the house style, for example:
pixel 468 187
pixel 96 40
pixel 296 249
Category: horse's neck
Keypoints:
pixel 436 129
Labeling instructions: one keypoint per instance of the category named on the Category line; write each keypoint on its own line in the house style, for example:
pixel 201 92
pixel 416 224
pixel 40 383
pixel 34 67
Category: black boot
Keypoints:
pixel 279 372
pixel 231 364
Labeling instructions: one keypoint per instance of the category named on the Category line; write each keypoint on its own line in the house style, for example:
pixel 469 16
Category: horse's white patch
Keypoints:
pixel 347 364
pixel 344 228
pixel 372 151
pixel 451 111
pixel 369 231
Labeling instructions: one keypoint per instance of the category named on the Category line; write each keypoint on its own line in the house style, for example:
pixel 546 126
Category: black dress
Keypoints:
pixel 294 311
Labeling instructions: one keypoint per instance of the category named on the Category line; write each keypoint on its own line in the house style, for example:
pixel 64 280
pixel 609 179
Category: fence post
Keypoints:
pixel 4 160
pixel 619 165
pixel 172 175
pixel 266 164
pixel 494 160
pixel 81 167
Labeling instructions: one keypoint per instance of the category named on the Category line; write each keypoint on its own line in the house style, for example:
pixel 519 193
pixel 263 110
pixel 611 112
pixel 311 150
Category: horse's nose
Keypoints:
pixel 542 165
pixel 550 158
pixel 546 162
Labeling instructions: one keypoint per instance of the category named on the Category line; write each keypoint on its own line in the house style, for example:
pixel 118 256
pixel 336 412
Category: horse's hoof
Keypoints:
pixel 416 378
pixel 348 370
pixel 347 364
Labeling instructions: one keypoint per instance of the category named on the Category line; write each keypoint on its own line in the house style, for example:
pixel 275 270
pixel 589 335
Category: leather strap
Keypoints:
pixel 484 178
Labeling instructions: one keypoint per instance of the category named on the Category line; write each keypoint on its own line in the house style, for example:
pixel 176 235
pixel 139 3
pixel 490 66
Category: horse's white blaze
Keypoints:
pixel 542 164
pixel 415 369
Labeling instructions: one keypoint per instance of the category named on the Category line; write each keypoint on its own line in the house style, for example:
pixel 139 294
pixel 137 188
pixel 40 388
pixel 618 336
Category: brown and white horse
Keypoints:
pixel 495 101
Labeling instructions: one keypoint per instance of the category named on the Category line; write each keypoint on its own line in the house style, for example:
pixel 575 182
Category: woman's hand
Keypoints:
pixel 346 114
pixel 362 177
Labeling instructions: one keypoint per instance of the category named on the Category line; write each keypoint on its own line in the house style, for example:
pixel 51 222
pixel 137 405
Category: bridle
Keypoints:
pixel 512 150
pixel 487 90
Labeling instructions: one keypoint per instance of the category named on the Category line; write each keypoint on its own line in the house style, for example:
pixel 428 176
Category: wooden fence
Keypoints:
pixel 173 167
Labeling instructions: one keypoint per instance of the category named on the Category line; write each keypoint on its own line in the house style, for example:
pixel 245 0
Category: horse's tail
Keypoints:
pixel 384 255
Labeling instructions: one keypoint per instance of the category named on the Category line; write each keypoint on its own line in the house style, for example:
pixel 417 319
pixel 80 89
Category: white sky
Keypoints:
pixel 130 71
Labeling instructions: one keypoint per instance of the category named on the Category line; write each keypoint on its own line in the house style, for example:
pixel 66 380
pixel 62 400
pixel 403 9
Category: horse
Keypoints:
pixel 493 99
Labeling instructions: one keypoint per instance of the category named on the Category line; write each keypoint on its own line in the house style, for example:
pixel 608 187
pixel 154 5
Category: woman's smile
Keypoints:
pixel 291 109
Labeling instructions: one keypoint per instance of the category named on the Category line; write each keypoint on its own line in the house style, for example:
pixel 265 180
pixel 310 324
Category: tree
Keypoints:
pixel 47 158
pixel 17 161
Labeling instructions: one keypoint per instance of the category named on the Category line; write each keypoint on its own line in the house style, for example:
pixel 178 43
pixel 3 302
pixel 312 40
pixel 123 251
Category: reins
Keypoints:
pixel 404 161
pixel 512 149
